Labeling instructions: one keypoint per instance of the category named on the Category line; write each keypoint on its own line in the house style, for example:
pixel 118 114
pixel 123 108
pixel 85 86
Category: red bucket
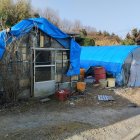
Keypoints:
pixel 99 73
pixel 62 95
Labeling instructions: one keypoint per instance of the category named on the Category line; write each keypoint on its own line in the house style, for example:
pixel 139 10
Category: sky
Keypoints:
pixel 118 16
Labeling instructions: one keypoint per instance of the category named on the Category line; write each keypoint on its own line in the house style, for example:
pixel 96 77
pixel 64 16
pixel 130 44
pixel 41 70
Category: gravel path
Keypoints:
pixel 85 119
pixel 123 130
pixel 98 120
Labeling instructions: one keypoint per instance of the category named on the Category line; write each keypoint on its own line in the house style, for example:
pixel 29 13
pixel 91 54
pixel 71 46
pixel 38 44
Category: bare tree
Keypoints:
pixel 52 16
pixel 77 25
pixel 66 25
pixel 90 29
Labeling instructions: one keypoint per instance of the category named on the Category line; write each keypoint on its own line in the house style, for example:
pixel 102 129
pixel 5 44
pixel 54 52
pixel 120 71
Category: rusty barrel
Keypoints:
pixel 82 73
pixel 99 73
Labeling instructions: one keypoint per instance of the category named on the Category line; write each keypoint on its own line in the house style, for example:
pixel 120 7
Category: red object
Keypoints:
pixel 99 73
pixel 62 95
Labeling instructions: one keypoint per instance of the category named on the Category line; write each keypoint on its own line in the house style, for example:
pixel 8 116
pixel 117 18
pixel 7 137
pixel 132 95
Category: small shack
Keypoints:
pixel 37 58
pixel 123 62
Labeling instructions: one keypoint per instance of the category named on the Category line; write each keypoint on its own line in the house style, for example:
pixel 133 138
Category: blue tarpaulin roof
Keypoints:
pixel 110 57
pixel 25 26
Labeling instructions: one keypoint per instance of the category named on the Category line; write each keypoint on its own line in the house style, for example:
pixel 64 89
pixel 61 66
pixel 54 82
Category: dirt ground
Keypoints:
pixel 80 117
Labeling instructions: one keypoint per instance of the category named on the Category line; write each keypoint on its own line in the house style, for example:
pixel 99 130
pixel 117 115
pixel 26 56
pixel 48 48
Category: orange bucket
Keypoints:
pixel 81 86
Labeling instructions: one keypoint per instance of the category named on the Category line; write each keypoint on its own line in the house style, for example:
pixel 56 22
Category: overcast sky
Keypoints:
pixel 118 16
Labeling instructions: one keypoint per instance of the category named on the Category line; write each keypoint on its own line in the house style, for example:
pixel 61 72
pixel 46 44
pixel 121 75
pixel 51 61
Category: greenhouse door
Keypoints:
pixel 44 72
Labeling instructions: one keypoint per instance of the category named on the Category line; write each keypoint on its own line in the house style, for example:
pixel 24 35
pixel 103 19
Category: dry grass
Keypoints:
pixel 131 94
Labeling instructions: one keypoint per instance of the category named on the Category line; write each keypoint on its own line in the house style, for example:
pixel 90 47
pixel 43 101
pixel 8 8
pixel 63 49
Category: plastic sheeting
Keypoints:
pixel 110 57
pixel 134 79
pixel 2 43
pixel 24 26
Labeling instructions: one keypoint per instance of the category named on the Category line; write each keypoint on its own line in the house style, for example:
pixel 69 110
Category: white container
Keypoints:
pixel 103 83
pixel 111 82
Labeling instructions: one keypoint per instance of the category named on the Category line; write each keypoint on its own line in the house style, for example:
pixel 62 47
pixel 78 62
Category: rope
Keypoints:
pixel 36 27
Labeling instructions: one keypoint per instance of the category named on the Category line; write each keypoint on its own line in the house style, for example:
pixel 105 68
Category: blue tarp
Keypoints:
pixel 110 57
pixel 2 43
pixel 25 26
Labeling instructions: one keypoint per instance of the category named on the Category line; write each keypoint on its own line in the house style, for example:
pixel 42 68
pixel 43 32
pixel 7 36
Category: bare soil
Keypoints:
pixel 80 117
